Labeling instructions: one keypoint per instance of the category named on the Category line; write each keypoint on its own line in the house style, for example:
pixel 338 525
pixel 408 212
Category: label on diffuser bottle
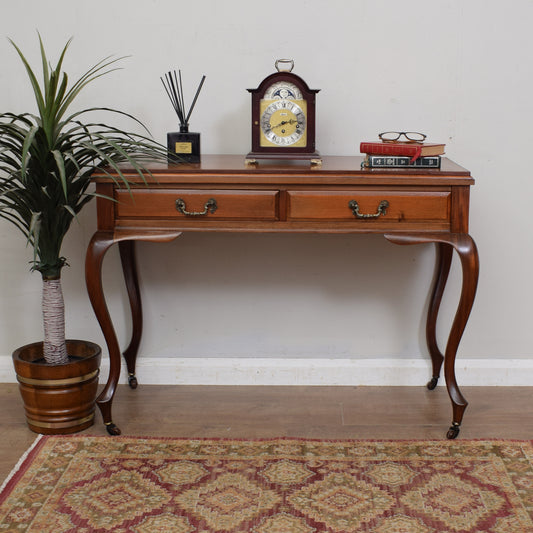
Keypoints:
pixel 183 148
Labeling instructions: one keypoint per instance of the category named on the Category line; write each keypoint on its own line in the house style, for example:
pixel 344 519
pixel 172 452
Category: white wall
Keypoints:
pixel 459 71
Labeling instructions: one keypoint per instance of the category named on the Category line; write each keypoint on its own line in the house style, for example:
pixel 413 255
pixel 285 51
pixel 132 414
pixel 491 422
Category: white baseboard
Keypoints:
pixel 311 371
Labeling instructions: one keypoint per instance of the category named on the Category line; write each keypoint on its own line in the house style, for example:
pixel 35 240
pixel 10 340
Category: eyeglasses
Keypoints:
pixel 411 136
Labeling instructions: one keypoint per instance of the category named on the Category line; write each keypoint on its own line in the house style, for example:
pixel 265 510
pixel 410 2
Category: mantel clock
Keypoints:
pixel 283 117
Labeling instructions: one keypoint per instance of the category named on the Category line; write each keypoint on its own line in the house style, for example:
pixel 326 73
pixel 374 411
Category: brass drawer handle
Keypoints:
pixel 382 209
pixel 209 207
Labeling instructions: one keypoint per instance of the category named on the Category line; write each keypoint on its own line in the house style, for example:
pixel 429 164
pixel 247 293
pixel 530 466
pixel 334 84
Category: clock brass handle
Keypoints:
pixel 209 207
pixel 288 61
pixel 382 209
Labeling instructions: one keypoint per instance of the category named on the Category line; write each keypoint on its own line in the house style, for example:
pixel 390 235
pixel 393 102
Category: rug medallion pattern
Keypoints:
pixel 100 484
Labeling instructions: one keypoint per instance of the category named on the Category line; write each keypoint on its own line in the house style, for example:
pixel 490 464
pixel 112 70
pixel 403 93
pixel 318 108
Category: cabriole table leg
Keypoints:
pixel 443 263
pixel 129 268
pixel 99 245
pixel 465 247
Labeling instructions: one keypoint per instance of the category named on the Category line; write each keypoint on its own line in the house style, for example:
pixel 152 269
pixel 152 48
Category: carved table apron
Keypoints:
pixel 223 194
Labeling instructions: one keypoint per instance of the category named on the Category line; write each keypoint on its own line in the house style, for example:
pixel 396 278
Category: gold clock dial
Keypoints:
pixel 283 123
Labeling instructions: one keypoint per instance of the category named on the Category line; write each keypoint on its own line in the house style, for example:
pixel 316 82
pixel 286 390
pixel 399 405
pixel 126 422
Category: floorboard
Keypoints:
pixel 311 412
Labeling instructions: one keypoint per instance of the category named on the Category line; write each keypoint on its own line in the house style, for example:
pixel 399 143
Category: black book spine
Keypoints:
pixel 387 161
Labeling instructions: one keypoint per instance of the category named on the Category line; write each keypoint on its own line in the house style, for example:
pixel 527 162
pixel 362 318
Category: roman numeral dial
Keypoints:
pixel 283 122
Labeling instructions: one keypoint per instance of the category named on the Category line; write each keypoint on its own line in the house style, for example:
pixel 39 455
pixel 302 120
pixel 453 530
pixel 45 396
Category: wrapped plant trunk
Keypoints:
pixel 53 306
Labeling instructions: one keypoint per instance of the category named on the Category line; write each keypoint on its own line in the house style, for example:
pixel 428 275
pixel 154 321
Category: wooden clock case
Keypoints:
pixel 307 152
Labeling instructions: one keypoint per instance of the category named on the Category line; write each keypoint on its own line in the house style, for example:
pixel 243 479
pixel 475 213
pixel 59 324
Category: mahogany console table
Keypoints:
pixel 223 194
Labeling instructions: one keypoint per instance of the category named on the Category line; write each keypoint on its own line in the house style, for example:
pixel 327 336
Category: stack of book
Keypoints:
pixel 401 154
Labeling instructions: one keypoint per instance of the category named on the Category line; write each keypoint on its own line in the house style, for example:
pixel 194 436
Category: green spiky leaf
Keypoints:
pixel 47 159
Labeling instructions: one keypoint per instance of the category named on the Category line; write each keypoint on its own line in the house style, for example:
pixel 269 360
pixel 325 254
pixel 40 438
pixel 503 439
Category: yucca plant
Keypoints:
pixel 46 162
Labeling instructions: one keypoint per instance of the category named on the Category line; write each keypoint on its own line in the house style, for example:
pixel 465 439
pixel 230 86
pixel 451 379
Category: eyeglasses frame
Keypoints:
pixel 404 134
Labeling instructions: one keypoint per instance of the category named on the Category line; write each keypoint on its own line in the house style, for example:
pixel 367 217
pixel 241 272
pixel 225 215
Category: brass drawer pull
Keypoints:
pixel 382 209
pixel 209 207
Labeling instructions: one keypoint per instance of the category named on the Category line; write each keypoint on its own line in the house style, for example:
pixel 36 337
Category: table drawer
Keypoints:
pixel 198 204
pixel 364 206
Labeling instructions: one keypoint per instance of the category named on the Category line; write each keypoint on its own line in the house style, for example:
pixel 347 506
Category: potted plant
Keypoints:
pixel 46 163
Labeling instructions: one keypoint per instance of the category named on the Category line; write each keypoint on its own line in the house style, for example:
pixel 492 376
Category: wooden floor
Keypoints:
pixel 313 412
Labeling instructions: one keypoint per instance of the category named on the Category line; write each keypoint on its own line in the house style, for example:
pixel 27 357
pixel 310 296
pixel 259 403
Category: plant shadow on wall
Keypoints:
pixel 46 163
pixel 338 293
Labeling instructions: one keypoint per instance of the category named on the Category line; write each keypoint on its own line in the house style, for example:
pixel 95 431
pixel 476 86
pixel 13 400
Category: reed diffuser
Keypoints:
pixel 182 145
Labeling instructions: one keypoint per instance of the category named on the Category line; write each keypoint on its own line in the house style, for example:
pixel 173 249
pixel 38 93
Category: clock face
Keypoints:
pixel 283 123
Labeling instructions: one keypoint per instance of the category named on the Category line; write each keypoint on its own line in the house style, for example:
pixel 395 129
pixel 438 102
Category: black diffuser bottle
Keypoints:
pixel 183 145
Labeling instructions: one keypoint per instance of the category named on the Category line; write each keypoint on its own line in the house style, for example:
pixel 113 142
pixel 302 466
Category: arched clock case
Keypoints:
pixel 283 118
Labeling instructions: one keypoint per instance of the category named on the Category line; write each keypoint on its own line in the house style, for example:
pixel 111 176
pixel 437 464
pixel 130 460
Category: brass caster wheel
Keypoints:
pixel 453 432
pixel 112 429
pixel 432 383
pixel 132 381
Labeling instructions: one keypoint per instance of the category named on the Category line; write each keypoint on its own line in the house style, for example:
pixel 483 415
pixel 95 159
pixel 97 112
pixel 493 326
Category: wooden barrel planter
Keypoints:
pixel 59 399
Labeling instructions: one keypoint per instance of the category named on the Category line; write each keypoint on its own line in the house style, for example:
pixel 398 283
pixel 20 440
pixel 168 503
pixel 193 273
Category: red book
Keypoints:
pixel 413 150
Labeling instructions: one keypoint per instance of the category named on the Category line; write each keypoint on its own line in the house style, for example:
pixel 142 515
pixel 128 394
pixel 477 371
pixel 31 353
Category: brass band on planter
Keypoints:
pixel 57 425
pixel 58 382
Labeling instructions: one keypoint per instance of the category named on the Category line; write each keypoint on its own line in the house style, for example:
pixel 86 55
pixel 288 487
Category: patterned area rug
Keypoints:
pixel 98 484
